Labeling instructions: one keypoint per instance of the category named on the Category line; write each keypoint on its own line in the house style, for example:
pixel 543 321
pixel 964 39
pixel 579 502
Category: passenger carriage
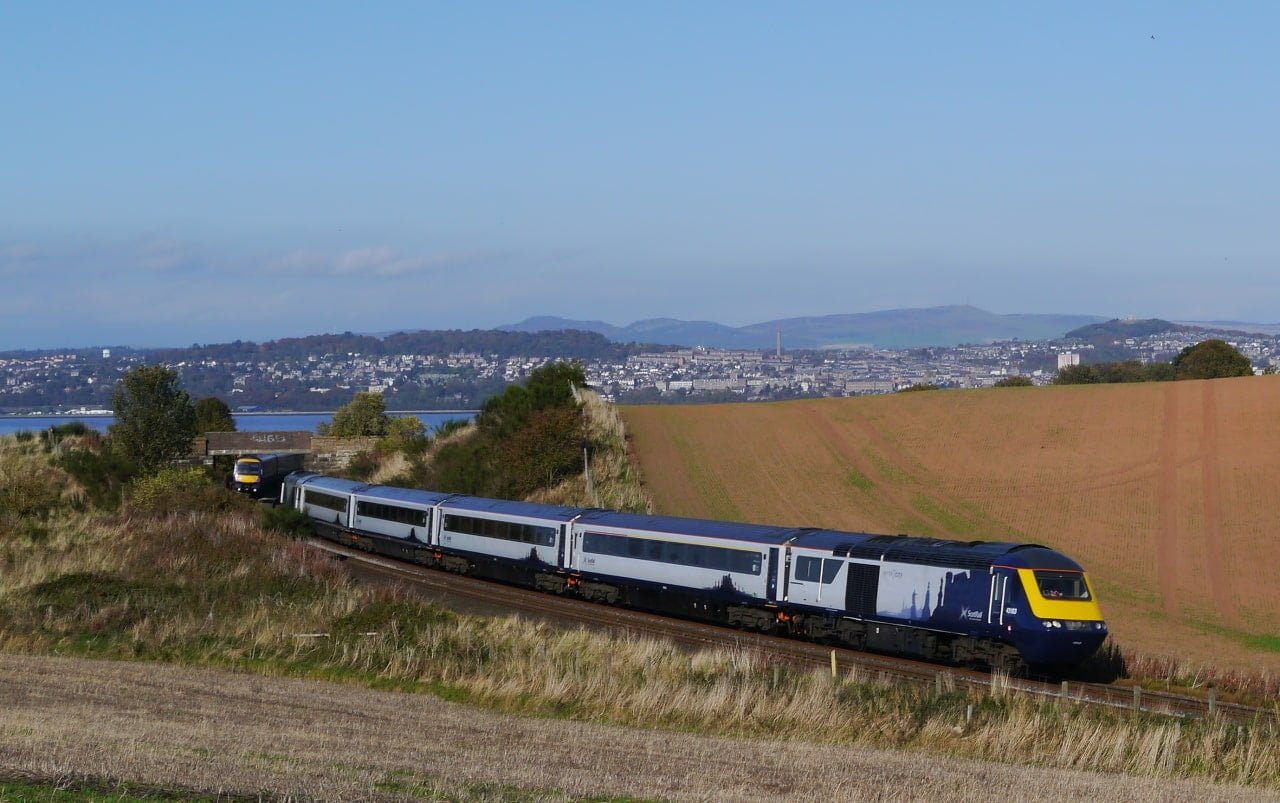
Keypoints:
pixel 685 566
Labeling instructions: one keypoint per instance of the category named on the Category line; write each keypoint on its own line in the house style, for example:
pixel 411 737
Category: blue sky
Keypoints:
pixel 180 172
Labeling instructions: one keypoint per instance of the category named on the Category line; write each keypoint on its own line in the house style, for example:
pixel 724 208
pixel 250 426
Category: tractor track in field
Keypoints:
pixel 473 595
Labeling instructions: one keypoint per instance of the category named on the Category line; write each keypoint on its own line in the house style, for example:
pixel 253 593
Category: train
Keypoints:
pixel 1011 607
pixel 261 475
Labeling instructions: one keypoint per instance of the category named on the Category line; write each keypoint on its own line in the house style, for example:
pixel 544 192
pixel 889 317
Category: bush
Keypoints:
pixel 526 438
pixel 1211 359
pixel 451 426
pixel 916 388
pixel 103 473
pixel 406 434
pixel 29 486
pixel 1014 382
pixel 287 520
pixel 364 415
pixel 361 466
pixel 180 490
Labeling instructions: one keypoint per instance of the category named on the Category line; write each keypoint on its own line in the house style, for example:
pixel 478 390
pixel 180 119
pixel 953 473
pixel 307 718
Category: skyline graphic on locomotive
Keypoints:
pixel 994 602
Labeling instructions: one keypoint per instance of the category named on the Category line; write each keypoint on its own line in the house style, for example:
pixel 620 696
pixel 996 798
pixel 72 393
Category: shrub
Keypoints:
pixel 406 434
pixel 29 485
pixel 179 490
pixel 285 520
pixel 1014 382
pixel 361 466
pixel 364 415
pixel 447 428
pixel 1211 359
pixel 103 473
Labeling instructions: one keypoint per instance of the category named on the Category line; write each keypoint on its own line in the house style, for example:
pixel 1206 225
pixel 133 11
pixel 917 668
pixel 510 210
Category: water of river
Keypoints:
pixel 253 422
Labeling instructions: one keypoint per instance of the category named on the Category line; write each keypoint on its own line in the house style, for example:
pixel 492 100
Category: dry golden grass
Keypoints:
pixel 201 589
pixel 1164 492
pixel 190 729
pixel 615 482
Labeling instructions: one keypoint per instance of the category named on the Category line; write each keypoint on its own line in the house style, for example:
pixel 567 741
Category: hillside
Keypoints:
pixel 1165 492
pixel 899 328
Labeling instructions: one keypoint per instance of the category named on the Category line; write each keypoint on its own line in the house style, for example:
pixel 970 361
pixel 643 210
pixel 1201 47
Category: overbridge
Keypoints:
pixel 238 443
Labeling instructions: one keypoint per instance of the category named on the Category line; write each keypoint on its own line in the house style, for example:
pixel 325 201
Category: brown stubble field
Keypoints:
pixel 185 729
pixel 1165 492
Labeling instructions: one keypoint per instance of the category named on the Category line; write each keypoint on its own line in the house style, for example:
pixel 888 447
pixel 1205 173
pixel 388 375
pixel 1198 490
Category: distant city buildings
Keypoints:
pixel 422 381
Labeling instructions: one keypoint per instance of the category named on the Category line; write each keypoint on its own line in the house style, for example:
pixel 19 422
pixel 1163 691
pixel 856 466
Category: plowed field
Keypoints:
pixel 1165 492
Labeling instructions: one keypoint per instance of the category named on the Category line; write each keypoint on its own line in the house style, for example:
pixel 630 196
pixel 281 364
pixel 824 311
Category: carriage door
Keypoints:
pixel 999 590
pixel 772 594
pixel 564 536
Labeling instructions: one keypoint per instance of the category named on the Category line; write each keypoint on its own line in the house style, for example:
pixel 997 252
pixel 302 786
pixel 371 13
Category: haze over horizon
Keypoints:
pixel 177 174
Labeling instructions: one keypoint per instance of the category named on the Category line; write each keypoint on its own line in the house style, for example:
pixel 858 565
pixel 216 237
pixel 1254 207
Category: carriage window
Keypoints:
pixel 1062 585
pixel 680 554
pixel 830 568
pixel 808 570
pixel 329 501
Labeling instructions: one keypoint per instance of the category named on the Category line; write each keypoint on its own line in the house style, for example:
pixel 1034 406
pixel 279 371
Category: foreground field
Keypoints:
pixel 182 729
pixel 1165 492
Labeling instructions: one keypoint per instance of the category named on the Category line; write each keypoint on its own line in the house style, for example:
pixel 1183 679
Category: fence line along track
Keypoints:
pixel 800 654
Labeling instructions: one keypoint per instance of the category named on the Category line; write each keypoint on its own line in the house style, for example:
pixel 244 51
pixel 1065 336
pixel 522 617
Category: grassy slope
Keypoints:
pixel 1164 492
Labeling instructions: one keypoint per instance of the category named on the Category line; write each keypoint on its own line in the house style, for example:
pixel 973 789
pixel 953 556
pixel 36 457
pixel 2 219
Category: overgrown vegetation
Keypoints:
pixel 1014 382
pixel 1209 359
pixel 365 415
pixel 1114 372
pixel 528 438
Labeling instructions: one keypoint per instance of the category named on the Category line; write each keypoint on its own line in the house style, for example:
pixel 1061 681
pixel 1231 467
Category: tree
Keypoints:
pixel 1014 382
pixel 155 420
pixel 213 415
pixel 1211 359
pixel 1077 375
pixel 366 414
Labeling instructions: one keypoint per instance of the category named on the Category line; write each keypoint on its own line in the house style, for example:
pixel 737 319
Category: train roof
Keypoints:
pixel 707 528
pixel 912 549
pixel 335 484
pixel 409 495
pixel 481 504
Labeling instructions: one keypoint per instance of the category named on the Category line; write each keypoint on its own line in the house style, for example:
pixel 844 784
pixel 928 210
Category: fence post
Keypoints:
pixel 833 665
pixel 1137 698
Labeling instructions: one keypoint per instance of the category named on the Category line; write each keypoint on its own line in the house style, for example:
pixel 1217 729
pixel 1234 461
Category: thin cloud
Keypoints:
pixel 376 261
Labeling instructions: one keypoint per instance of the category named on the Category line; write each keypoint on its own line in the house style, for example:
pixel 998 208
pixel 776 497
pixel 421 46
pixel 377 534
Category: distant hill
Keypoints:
pixel 1119 329
pixel 899 328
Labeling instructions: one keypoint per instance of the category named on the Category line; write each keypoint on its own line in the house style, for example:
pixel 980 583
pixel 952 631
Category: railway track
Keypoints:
pixel 499 597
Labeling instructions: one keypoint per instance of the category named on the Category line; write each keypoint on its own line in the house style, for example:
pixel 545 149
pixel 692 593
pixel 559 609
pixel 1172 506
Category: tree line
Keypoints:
pixel 1209 359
